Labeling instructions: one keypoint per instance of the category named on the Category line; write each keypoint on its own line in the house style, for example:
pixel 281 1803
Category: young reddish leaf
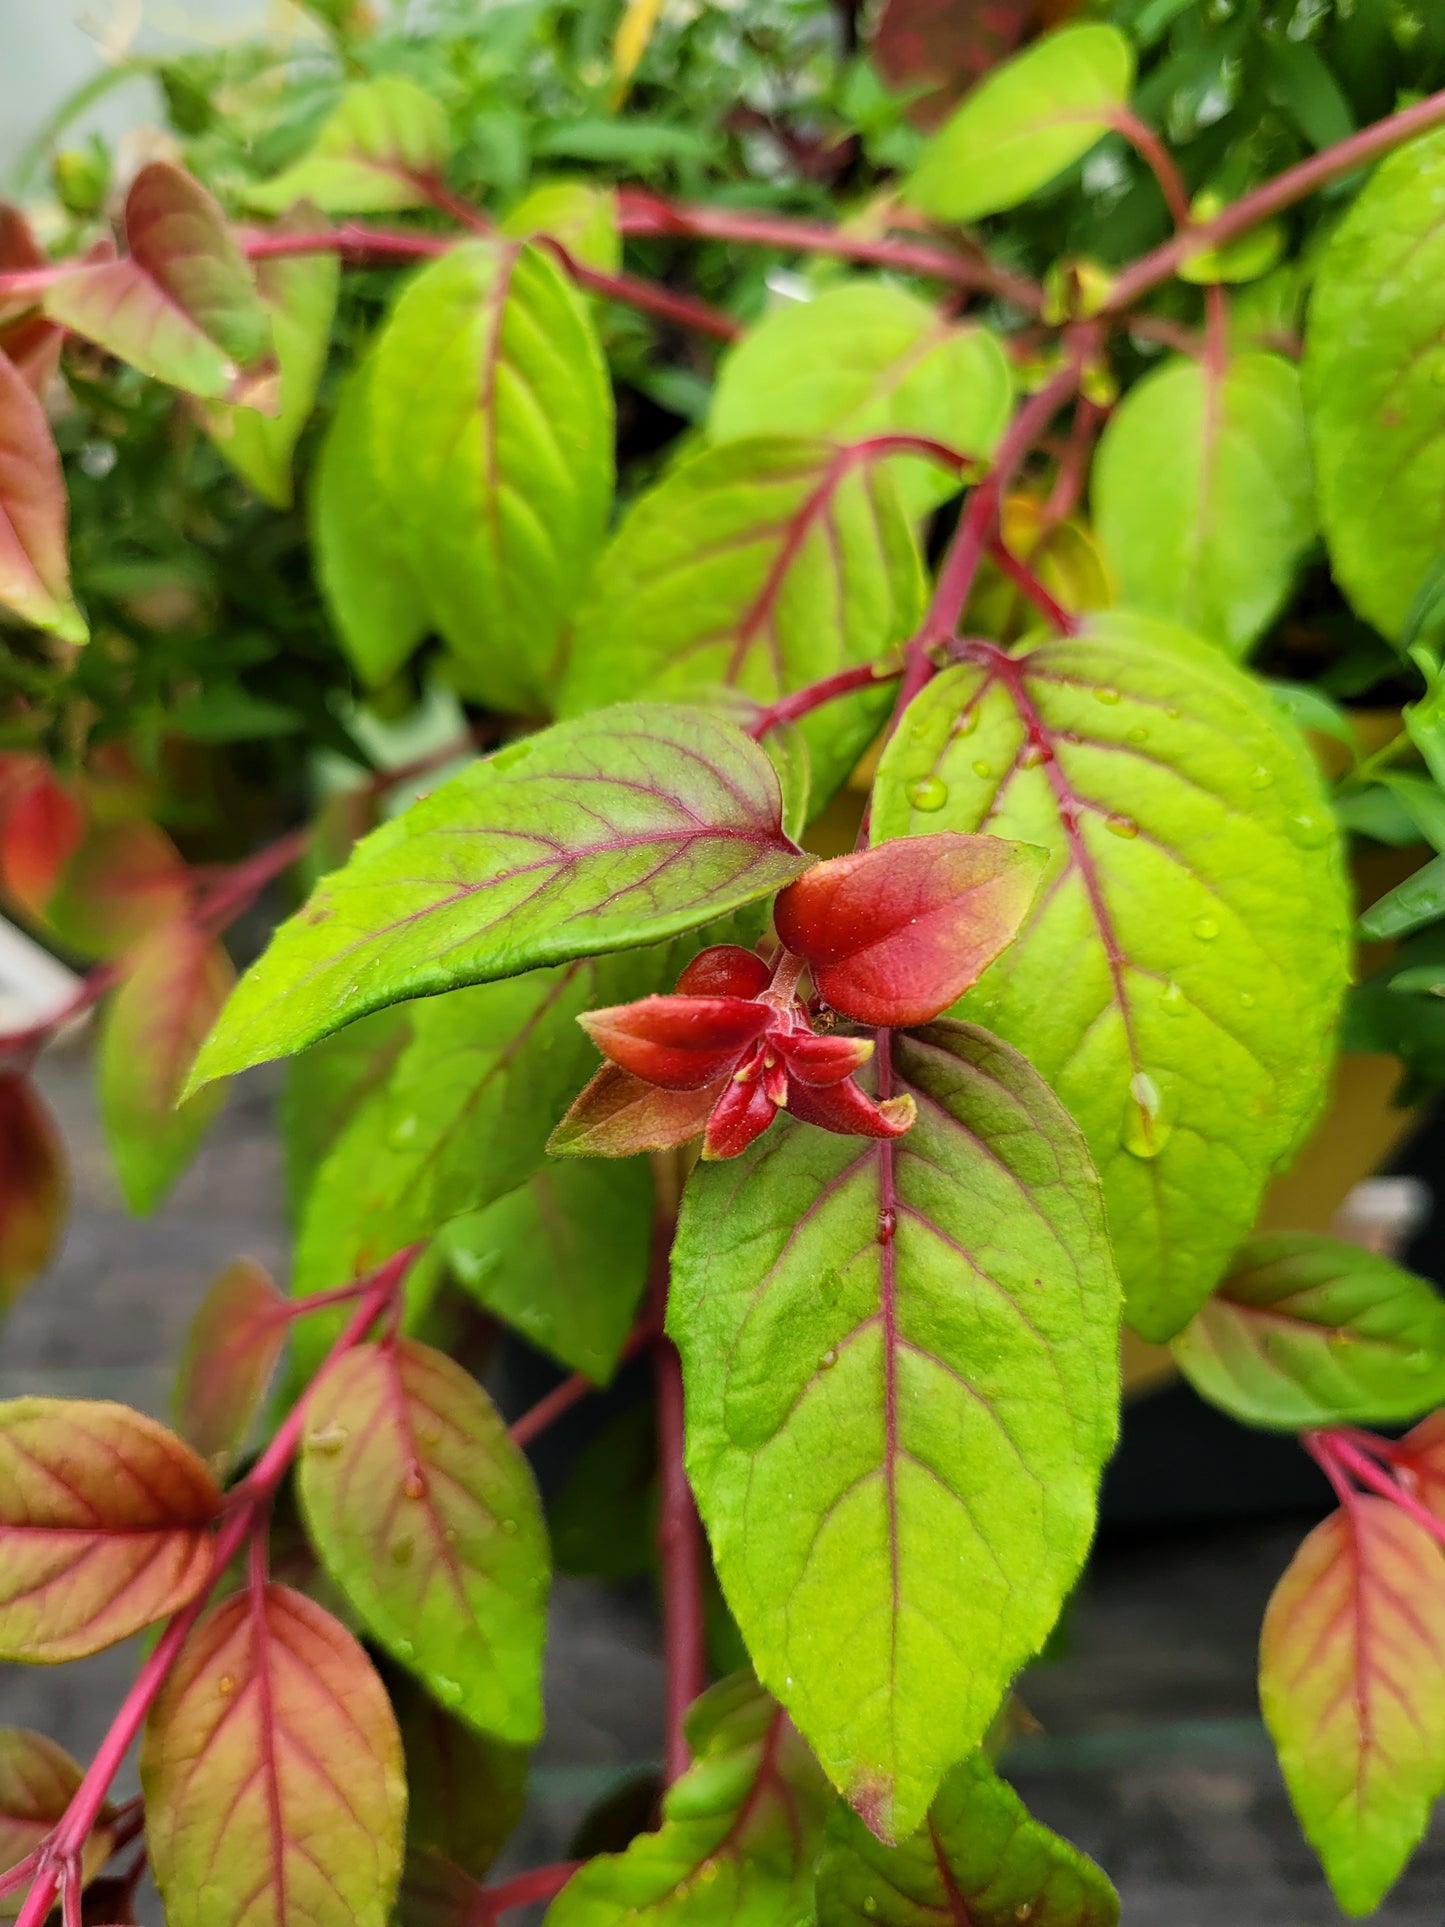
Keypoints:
pixel 1352 1684
pixel 182 305
pixel 41 828
pixel 124 879
pixel 725 970
pixel 37 1780
pixel 617 1115
pixel 34 568
pixel 681 1043
pixel 30 341
pixel 231 1351
pixel 426 1515
pixel 104 1519
pixel 272 1773
pixel 895 934
pixel 175 984
pixel 34 1187
pixel 740 1830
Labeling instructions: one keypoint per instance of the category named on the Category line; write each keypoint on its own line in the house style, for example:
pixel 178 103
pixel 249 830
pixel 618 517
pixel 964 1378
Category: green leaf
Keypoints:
pixel 1420 899
pixel 902 1383
pixel 601 834
pixel 761 566
pixel 326 1084
pixel 1202 499
pixel 740 1830
pixel 868 358
pixel 381 144
pixel 299 292
pixel 34 564
pixel 1179 979
pixel 38 1781
pixel 465 1790
pixel 182 306
pixel 1026 122
pixel 1374 376
pixel 981 1861
pixel 582 217
pixel 1309 1330
pixel 1309 708
pixel 425 1514
pixel 563 1259
pixel 491 444
pixel 603 1522
pixel 374 600
pixel 1423 803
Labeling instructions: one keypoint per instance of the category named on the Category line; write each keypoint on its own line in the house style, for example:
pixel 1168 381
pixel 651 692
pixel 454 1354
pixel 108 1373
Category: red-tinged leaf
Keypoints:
pixel 37 1780
pixel 34 568
pixel 1420 1459
pixel 681 1043
pixel 822 1060
pixel 893 935
pixel 725 970
pixel 937 49
pixel 231 1351
pixel 182 305
pixel 104 1526
pixel 175 984
pixel 426 1515
pixel 618 1115
pixel 30 341
pixel 847 1110
pixel 34 1187
pixel 124 880
pixel 1352 1683
pixel 272 1773
pixel 41 828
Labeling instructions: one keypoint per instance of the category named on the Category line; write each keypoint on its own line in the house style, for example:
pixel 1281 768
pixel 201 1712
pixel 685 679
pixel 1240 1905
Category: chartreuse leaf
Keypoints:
pixel 1310 1330
pixel 582 217
pixel 175 984
pixel 299 292
pixel 231 1351
pixel 465 1791
pixel 34 566
pixel 1178 978
pixel 1352 1684
pixel 425 1514
pixel 1202 495
pixel 182 305
pixel 491 441
pixel 104 1526
pixel 868 358
pixel 759 565
pixel 980 1861
pixel 563 1259
pixel 384 141
pixel 327 1084
pixel 1374 377
pixel 600 834
pixel 1026 122
pixel 739 1836
pixel 38 1779
pixel 902 1384
pixel 34 1187
pixel 272 1772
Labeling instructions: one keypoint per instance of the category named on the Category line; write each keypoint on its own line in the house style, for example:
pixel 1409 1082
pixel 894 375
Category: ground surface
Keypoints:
pixel 1152 1756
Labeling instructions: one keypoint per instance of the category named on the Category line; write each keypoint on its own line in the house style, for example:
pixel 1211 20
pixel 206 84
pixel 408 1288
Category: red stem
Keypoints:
pixel 649 296
pixel 1028 584
pixel 1333 1448
pixel 680 1550
pixel 1074 466
pixel 803 702
pixel 542 1883
pixel 1145 142
pixel 245 1503
pixel 570 1392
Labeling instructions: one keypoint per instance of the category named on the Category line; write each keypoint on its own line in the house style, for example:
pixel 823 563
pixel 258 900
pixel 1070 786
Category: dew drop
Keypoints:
pixel 328 1440
pixel 1121 826
pixel 981 768
pixel 414 1484
pixel 928 793
pixel 1205 928
pixel 1106 695
pixel 405 1649
pixel 1172 999
pixel 509 1528
pixel 404 1130
pixel 1148 1118
pixel 1261 777
pixel 870 1905
pixel 829 1359
pixel 449 1689
pixel 1246 998
pixel 225 1686
pixel 1138 734
pixel 1036 753
pixel 967 723
pixel 401 1551
pixel 1309 832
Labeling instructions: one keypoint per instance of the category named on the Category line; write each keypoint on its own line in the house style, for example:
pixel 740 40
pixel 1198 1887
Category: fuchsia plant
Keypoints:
pixel 924 1119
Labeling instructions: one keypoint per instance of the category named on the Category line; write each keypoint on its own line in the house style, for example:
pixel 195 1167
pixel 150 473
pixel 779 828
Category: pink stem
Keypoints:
pixel 569 1393
pixel 245 1504
pixel 1145 142
pixel 1074 466
pixel 1029 585
pixel 542 1883
pixel 1335 1446
pixel 1318 1445
pixel 923 445
pixel 649 296
pixel 680 1550
pixel 803 702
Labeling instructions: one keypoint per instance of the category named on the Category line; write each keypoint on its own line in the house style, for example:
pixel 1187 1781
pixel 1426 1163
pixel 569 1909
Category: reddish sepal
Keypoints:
pixel 680 1043
pixel 725 970
pixel 822 1060
pixel 850 1112
pixel 742 1113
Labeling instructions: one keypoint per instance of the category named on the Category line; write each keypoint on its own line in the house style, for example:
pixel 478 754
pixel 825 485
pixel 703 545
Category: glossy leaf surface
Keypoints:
pixel 327 1084
pixel 739 1836
pixel 272 1773
pixel 34 565
pixel 760 566
pixel 1352 1683
pixel 491 442
pixel 182 305
pixel 231 1351
pixel 1203 497
pixel 868 358
pixel 426 1514
pixel 901 1380
pixel 1178 978
pixel 382 143
pixel 175 984
pixel 1023 124
pixel 37 1781
pixel 979 1860
pixel 562 1259
pixel 598 834
pixel 104 1526
pixel 34 1187
pixel 1309 1330
pixel 1374 374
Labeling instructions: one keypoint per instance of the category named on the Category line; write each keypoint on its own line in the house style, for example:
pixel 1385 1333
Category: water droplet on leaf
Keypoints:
pixel 1260 777
pixel 1106 695
pixel 1121 826
pixel 967 723
pixel 928 793
pixel 828 1360
pixel 1172 999
pixel 404 1130
pixel 1036 753
pixel 328 1440
pixel 509 1528
pixel 982 769
pixel 401 1552
pixel 1148 1118
pixel 414 1484
pixel 1205 928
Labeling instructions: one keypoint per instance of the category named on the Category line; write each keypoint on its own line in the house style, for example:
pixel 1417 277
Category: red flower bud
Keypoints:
pixel 680 1043
pixel 725 970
